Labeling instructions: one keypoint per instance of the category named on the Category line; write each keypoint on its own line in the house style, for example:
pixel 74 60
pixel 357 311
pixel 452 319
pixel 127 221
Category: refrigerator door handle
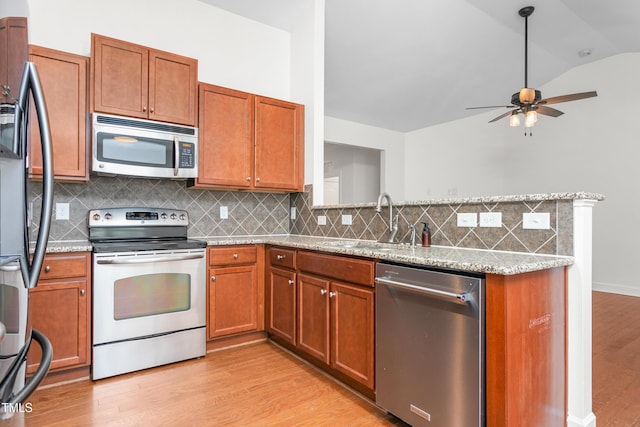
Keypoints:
pixel 31 83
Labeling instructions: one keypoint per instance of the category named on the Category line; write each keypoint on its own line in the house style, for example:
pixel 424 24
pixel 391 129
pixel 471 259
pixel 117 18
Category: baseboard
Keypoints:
pixel 613 288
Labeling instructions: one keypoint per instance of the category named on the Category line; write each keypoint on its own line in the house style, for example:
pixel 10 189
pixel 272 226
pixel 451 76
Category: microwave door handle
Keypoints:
pixel 176 155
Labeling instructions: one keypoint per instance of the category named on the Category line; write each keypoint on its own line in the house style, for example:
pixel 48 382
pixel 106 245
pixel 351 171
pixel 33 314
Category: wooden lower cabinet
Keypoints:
pixel 60 308
pixel 234 295
pixel 282 290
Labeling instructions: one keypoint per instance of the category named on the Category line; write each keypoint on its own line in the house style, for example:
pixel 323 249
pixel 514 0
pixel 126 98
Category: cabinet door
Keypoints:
pixel 64 82
pixel 120 77
pixel 352 327
pixel 233 301
pixel 172 88
pixel 225 138
pixel 279 157
pixel 13 55
pixel 61 311
pixel 282 304
pixel 313 316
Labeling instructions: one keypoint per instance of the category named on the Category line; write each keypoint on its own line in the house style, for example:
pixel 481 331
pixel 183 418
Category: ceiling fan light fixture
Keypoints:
pixel 527 95
pixel 514 120
pixel 531 118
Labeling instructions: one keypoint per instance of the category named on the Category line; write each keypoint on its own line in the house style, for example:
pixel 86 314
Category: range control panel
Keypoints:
pixel 127 217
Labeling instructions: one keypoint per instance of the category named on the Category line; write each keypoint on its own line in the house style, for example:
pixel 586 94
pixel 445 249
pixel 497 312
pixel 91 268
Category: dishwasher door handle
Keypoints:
pixel 462 298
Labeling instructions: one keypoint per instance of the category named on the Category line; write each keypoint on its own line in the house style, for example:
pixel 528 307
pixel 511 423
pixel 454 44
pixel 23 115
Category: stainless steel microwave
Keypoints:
pixel 143 148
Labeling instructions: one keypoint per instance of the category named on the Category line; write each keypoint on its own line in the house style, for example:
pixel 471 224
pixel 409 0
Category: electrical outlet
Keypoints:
pixel 491 219
pixel 467 220
pixel 347 220
pixel 62 211
pixel 224 212
pixel 294 212
pixel 322 220
pixel 536 221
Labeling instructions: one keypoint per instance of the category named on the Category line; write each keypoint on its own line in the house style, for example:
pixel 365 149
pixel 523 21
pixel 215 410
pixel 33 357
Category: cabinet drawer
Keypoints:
pixel 337 267
pixel 282 257
pixel 233 255
pixel 61 266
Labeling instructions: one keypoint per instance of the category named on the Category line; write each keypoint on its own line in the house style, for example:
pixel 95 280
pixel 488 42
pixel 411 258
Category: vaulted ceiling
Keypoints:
pixel 409 64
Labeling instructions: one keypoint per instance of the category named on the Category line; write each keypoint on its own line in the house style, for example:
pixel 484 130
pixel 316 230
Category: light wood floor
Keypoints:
pixel 616 360
pixel 262 385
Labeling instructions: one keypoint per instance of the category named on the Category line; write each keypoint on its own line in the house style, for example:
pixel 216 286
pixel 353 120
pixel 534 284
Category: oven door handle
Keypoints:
pixel 143 260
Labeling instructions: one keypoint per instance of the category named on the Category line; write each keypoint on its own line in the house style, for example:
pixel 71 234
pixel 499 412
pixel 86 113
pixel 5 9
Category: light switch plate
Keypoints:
pixel 347 220
pixel 62 211
pixel 224 212
pixel 294 212
pixel 491 219
pixel 467 220
pixel 536 221
pixel 322 220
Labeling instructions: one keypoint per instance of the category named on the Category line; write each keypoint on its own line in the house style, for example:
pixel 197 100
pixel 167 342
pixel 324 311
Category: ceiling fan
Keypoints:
pixel 528 101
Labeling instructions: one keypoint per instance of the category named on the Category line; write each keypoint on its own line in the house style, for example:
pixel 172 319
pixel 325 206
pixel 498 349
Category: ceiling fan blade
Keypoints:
pixel 489 106
pixel 508 113
pixel 567 98
pixel 548 111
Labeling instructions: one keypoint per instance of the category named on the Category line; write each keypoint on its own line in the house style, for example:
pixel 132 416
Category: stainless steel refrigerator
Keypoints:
pixel 20 269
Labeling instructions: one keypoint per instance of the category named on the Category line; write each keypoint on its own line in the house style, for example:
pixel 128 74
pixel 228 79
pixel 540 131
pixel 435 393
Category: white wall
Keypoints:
pixel 232 51
pixel 594 147
pixel 358 169
pixel 391 143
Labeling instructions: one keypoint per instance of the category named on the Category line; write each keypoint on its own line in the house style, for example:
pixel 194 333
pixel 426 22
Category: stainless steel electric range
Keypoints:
pixel 149 289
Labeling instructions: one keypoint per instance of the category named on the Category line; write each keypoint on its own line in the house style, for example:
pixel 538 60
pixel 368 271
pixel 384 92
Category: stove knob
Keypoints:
pixel 96 216
pixel 183 217
pixel 173 216
pixel 163 215
pixel 107 216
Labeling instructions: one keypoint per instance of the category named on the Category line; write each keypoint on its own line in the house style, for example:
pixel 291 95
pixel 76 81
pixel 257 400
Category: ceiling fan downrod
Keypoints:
pixel 525 12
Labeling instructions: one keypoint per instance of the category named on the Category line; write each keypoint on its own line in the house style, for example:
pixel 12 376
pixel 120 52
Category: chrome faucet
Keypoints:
pixel 393 225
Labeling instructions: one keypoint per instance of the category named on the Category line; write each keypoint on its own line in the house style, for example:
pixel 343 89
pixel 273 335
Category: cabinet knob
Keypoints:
pixel 332 294
pixel 257 179
pixel 47 268
pixel 235 256
pixel 213 278
pixel 280 257
pixel 151 110
pixel 144 109
pixel 323 291
pixel 82 292
pixel 291 282
pixel 248 178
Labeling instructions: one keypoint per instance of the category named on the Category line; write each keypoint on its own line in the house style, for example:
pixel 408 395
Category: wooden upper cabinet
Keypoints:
pixel 136 81
pixel 63 77
pixel 225 138
pixel 279 146
pixel 13 55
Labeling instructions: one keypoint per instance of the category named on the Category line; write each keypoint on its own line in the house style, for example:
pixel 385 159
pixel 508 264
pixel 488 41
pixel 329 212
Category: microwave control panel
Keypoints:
pixel 187 155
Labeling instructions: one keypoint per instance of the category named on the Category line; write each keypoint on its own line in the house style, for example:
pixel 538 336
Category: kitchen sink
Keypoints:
pixel 364 245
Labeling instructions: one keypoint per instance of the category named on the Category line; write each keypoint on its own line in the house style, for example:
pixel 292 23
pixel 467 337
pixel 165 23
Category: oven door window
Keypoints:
pixel 135 150
pixel 151 294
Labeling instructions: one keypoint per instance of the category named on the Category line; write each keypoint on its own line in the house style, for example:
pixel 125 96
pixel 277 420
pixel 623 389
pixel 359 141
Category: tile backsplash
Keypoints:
pixel 442 219
pixel 268 213
pixel 248 213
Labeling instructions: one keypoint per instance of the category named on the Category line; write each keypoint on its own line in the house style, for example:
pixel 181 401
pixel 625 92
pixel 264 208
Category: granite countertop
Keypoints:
pixel 474 260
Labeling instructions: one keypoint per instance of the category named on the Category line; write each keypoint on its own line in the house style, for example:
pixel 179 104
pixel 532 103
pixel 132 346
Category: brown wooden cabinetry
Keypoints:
pixel 281 290
pixel 137 81
pixel 60 308
pixel 63 77
pixel 249 142
pixel 13 55
pixel 234 297
pixel 336 313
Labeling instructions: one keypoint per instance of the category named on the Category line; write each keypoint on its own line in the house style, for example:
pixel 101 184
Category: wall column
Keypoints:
pixel 579 319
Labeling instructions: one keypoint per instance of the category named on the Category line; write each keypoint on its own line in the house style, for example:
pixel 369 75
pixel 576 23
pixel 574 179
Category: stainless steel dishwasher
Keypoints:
pixel 430 346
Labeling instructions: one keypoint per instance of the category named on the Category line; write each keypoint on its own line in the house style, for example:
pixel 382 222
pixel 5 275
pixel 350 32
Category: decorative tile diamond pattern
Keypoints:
pixel 442 220
pixel 249 213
